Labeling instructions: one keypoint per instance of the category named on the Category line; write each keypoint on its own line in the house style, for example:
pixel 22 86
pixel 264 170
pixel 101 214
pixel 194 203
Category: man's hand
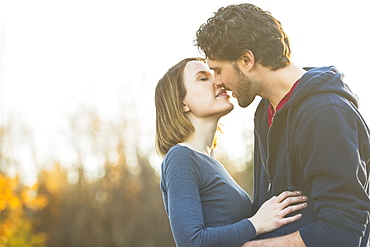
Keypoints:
pixel 291 240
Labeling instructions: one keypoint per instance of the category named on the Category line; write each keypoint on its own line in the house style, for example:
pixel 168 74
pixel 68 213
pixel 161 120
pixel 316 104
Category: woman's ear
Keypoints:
pixel 185 107
pixel 246 60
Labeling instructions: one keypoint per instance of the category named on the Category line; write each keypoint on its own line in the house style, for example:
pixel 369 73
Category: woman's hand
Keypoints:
pixel 271 214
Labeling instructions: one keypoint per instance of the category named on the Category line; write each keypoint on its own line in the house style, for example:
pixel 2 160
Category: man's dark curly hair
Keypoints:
pixel 237 28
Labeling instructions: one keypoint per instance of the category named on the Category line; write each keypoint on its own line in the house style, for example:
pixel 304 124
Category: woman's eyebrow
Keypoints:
pixel 203 72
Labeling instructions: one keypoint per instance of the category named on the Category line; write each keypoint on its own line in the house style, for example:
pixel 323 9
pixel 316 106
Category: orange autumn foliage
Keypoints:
pixel 14 199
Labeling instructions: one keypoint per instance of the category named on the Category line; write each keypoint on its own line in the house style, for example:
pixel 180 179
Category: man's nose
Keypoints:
pixel 219 83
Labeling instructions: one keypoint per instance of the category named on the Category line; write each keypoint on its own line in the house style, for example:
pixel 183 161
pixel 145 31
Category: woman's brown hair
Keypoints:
pixel 172 124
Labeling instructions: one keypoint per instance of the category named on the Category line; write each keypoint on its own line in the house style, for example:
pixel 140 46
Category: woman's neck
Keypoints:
pixel 201 140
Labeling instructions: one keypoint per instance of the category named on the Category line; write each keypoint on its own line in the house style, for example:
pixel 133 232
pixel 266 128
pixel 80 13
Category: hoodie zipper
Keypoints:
pixel 263 162
pixel 267 158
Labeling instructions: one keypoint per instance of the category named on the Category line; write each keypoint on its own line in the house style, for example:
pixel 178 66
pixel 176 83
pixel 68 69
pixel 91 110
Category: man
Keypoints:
pixel 309 134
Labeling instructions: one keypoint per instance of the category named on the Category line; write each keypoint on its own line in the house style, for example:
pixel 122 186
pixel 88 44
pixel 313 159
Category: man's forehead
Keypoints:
pixel 214 64
pixel 211 62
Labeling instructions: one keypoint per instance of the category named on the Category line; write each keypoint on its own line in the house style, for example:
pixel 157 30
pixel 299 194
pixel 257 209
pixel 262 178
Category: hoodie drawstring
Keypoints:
pixel 291 187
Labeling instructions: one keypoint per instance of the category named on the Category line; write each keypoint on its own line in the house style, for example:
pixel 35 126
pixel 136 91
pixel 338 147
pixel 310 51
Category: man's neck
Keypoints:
pixel 279 82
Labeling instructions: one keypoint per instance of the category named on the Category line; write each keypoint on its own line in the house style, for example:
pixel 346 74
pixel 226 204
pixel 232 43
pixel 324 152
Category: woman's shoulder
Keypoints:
pixel 183 155
pixel 187 154
pixel 180 161
pixel 179 151
pixel 179 154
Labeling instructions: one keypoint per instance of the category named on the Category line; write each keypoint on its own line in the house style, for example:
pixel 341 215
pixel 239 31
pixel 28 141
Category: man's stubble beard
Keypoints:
pixel 244 87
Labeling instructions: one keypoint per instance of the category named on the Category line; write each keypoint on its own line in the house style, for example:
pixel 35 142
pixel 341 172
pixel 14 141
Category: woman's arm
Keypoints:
pixel 185 213
pixel 184 208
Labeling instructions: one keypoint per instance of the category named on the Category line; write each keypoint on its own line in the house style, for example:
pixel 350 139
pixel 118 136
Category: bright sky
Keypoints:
pixel 56 55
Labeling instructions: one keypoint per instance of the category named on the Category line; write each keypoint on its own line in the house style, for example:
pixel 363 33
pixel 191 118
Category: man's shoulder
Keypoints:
pixel 325 100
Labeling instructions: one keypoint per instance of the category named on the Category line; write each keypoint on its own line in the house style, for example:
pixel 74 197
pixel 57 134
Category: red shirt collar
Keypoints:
pixel 271 111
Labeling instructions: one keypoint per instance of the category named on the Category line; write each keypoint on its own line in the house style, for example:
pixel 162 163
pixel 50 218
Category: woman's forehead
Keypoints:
pixel 194 67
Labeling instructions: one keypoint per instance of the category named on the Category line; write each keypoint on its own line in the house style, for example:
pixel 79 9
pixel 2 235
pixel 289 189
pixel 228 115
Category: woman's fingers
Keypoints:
pixel 291 219
pixel 287 194
pixel 293 208
pixel 293 200
pixel 272 214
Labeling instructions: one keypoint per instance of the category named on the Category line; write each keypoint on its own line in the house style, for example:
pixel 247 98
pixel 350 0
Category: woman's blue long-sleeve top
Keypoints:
pixel 205 206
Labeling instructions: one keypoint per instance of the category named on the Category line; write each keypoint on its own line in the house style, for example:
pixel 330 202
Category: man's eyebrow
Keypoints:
pixel 214 68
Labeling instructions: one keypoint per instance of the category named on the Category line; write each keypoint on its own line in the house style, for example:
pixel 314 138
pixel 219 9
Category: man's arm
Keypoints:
pixel 291 240
pixel 332 148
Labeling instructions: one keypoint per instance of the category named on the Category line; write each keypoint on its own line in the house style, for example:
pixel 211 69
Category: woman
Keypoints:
pixel 205 206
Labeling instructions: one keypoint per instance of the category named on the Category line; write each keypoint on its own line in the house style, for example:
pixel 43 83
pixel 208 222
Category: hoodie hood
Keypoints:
pixel 321 80
pixel 315 81
pixel 319 144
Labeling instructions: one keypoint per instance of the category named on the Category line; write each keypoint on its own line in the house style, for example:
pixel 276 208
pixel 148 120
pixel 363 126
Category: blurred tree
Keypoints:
pixel 17 202
pixel 119 206
pixel 108 196
pixel 10 207
pixel 240 166
pixel 25 236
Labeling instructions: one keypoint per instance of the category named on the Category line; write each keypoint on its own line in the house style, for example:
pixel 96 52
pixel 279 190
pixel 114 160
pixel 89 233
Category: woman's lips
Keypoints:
pixel 222 93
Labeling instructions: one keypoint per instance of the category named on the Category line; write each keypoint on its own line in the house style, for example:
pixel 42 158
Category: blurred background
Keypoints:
pixel 77 78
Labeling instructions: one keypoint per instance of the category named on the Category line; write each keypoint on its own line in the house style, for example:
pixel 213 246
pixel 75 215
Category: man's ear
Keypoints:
pixel 246 60
pixel 185 107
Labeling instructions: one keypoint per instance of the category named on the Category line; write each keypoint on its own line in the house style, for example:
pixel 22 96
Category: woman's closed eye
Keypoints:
pixel 204 78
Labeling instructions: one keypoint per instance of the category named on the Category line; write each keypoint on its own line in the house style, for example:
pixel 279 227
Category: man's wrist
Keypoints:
pixel 291 240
